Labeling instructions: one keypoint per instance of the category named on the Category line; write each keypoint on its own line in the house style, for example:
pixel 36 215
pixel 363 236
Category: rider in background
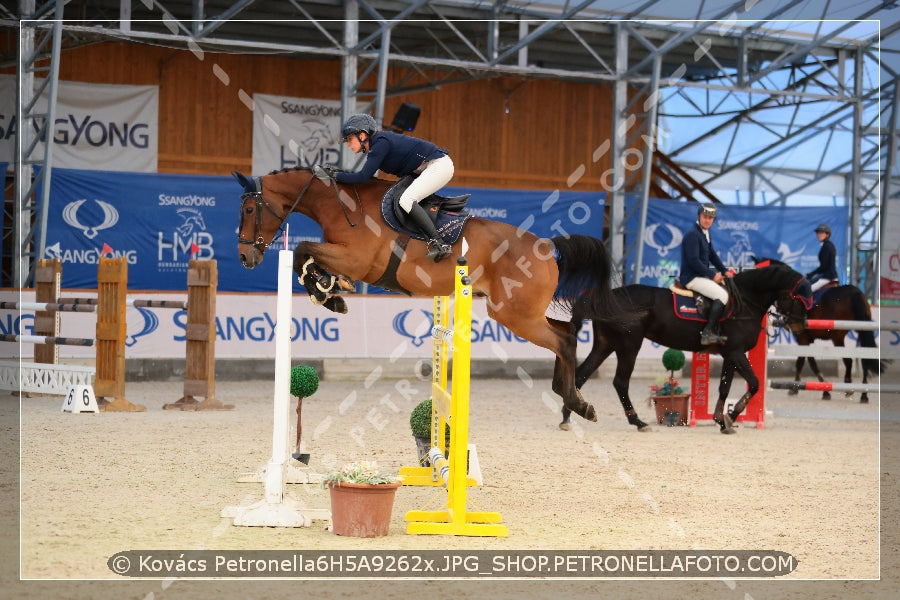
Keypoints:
pixel 696 274
pixel 400 155
pixel 826 272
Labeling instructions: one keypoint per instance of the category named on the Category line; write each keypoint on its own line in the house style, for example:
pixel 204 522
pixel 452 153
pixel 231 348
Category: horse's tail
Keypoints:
pixel 862 312
pixel 585 275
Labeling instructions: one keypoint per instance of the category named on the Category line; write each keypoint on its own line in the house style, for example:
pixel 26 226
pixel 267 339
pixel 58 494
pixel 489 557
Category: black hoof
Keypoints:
pixel 565 426
pixel 727 426
pixel 303 458
pixel 336 304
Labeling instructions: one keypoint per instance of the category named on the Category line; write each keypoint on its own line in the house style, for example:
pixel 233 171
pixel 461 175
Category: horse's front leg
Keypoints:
pixel 725 379
pixel 798 368
pixel 319 283
pixel 746 371
pixel 815 369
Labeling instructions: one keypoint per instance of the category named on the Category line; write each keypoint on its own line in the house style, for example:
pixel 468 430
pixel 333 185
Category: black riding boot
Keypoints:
pixel 708 336
pixel 437 247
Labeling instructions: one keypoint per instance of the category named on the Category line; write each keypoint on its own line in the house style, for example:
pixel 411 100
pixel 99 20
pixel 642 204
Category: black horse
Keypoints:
pixel 752 293
pixel 843 302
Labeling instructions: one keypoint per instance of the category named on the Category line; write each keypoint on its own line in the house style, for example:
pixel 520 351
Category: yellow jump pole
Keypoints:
pixel 456 520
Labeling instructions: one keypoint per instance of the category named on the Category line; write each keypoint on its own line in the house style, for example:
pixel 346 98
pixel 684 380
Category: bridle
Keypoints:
pixel 258 242
pixel 776 319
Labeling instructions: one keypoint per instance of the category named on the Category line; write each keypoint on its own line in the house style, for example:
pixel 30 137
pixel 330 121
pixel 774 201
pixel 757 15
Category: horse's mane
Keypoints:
pixel 289 169
pixel 309 170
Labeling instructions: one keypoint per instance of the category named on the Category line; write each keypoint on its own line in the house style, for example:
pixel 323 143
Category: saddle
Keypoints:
pixel 448 213
pixel 690 306
pixel 817 295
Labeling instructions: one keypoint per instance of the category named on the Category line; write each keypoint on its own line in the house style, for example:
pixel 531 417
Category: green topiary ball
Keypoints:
pixel 304 381
pixel 673 359
pixel 420 419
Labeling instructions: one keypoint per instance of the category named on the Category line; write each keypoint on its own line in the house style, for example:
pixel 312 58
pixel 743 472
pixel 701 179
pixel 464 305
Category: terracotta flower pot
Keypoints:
pixel 670 404
pixel 362 509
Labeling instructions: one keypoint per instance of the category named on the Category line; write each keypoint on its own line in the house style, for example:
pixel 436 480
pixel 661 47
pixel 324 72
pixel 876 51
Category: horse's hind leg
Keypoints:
pixel 564 371
pixel 558 336
pixel 864 397
pixel 625 359
pixel 848 368
pixel 599 352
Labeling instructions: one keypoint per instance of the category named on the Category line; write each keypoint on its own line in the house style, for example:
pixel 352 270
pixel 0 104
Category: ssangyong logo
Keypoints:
pixel 109 216
pixel 662 249
pixel 418 337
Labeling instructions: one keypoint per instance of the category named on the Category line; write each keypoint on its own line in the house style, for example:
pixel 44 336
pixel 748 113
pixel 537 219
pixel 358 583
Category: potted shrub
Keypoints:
pixel 671 402
pixel 362 499
pixel 420 424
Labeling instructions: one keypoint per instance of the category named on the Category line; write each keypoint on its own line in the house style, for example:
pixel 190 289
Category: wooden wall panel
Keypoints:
pixel 501 131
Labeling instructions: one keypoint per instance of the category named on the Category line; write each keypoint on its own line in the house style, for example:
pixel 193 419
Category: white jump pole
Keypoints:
pixel 275 509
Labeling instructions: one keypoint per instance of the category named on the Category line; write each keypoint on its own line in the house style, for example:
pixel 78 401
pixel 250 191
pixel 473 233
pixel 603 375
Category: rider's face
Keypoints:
pixel 354 144
pixel 706 221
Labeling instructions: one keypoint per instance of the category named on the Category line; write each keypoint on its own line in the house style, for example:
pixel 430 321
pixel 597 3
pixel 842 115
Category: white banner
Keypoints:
pixel 8 120
pixel 97 126
pixel 382 327
pixel 890 252
pixel 290 132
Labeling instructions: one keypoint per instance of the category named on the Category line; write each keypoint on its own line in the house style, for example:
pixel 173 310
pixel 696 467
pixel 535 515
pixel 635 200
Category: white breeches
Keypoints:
pixel 709 288
pixel 820 283
pixel 437 174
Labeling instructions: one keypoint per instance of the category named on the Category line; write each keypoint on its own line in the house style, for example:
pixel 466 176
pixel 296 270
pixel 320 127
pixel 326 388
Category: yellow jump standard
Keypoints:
pixel 455 519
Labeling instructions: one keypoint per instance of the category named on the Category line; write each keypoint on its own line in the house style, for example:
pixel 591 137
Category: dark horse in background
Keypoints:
pixel 751 292
pixel 519 273
pixel 843 302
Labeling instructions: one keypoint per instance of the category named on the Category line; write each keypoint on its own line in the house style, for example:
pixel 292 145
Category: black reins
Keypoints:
pixel 258 242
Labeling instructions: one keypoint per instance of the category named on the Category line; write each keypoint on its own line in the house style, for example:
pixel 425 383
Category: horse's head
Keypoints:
pixel 266 203
pixel 793 291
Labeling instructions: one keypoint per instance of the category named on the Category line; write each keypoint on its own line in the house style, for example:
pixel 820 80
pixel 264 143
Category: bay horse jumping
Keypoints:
pixel 843 302
pixel 519 273
pixel 752 293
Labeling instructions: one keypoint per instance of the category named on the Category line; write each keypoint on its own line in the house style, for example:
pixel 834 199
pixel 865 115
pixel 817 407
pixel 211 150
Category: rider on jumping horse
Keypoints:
pixel 696 274
pixel 401 155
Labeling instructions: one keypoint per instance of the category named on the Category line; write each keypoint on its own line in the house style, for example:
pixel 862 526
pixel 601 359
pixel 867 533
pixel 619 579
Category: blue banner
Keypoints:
pixel 158 221
pixel 783 233
pixel 3 226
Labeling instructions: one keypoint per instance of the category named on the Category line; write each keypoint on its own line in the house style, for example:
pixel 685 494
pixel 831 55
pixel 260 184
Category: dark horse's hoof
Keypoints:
pixel 565 426
pixel 727 425
pixel 336 304
pixel 589 413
